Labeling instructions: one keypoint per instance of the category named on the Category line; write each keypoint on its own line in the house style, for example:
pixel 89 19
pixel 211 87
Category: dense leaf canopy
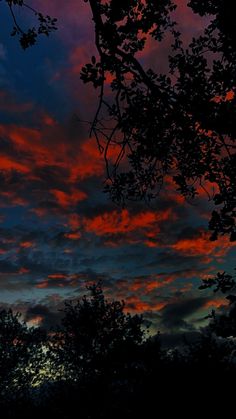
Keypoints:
pixel 179 124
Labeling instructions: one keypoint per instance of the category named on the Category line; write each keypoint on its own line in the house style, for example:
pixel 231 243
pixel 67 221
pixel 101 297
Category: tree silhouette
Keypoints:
pixel 179 124
pixel 21 359
pixel 102 350
pixel 223 323
pixel 94 329
pixel 28 37
pixel 104 364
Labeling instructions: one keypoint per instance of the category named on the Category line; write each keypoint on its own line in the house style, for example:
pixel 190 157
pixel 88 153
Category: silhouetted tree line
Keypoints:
pixel 102 363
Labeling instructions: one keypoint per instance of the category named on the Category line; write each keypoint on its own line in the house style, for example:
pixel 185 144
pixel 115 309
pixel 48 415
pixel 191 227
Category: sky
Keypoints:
pixel 58 230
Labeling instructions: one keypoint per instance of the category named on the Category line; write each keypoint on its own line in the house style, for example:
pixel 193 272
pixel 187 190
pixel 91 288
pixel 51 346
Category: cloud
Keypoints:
pixel 43 316
pixel 174 316
pixel 119 227
pixel 153 282
pixel 136 305
pixel 124 222
pixel 200 245
pixel 46 164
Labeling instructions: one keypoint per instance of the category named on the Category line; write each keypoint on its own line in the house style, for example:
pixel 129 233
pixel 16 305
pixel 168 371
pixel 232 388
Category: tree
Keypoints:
pixel 179 124
pixel 101 350
pixel 94 330
pixel 223 323
pixel 21 359
pixel 109 367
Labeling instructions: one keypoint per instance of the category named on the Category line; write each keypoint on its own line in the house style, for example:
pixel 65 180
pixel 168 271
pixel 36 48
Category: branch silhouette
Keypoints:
pixel 178 124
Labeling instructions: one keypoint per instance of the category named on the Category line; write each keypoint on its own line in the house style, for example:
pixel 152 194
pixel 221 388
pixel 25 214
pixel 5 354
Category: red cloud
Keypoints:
pixel 155 281
pixel 11 198
pixel 201 246
pixel 76 235
pixel 57 276
pixel 49 120
pixel 9 163
pixel 26 244
pixel 216 303
pixel 123 222
pixel 42 285
pixel 52 148
pixel 74 221
pixel 135 304
pixel 68 199
pixel 32 151
pixel 88 163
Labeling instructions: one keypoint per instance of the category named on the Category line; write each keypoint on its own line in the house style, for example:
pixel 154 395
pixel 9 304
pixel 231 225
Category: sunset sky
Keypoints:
pixel 58 230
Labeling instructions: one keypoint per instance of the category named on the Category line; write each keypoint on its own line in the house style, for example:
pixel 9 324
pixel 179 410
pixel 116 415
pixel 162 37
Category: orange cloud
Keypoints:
pixel 117 222
pixel 74 221
pixel 11 198
pixel 76 235
pixel 32 151
pixel 88 163
pixel 42 285
pixel 156 281
pixel 26 244
pixel 57 276
pixel 80 159
pixel 49 120
pixel 68 199
pixel 134 304
pixel 150 243
pixel 8 163
pixel 201 246
pixel 216 303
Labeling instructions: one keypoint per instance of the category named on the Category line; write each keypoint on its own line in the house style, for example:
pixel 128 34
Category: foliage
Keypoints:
pixel 27 38
pixel 179 124
pixel 109 366
pixel 223 323
pixel 223 281
pixel 21 356
pixel 94 332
